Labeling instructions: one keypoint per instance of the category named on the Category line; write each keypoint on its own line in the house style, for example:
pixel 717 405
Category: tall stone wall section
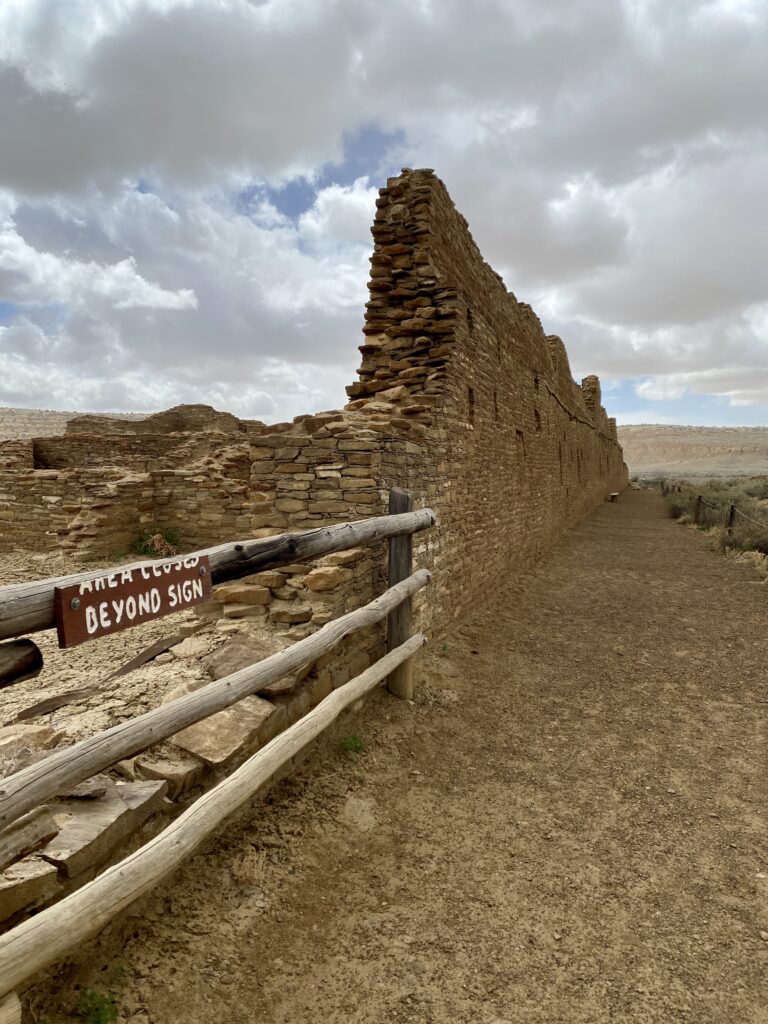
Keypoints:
pixel 513 451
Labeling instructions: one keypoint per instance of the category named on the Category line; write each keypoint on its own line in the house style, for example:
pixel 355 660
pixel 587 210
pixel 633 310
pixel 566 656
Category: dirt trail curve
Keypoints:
pixel 568 826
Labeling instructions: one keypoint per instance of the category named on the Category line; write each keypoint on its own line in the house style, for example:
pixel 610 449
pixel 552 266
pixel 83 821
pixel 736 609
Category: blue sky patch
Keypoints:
pixel 368 152
pixel 7 311
pixel 622 401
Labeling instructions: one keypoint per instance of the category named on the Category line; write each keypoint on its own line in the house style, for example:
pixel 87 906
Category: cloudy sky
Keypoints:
pixel 187 187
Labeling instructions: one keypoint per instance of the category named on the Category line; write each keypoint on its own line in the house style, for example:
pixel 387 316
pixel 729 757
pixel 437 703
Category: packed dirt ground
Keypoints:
pixel 567 825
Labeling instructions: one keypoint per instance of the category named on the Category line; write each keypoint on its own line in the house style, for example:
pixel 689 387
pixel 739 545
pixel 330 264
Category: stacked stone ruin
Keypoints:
pixel 460 398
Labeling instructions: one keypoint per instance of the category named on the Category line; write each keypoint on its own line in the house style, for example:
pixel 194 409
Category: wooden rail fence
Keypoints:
pixel 30 607
pixel 729 513
pixel 49 935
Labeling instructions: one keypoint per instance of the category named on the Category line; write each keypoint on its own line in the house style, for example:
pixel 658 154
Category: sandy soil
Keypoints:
pixel 568 825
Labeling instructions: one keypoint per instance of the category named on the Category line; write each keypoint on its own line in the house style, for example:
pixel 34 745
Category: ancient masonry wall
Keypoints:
pixel 461 398
pixel 515 451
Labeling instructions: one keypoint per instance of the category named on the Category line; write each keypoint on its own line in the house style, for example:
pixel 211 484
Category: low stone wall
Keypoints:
pixel 141 452
pixel 16 455
pixel 92 513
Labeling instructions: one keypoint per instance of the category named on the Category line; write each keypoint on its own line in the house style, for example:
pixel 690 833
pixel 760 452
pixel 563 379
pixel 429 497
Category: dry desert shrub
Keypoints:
pixel 750 528
pixel 157 543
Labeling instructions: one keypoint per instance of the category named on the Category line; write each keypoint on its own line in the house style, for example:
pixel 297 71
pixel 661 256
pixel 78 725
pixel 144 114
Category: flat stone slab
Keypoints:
pixel 191 647
pixel 235 654
pixel 327 577
pixel 181 773
pixel 236 730
pixel 89 789
pixel 91 829
pixel 15 738
pixel 142 799
pixel 242 593
pixel 290 612
pixel 239 653
pixel 27 884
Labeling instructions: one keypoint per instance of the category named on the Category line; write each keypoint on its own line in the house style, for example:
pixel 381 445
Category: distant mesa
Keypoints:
pixel 694 453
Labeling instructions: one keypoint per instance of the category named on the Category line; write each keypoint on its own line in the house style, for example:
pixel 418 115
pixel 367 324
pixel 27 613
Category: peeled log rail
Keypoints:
pixel 52 933
pixel 28 607
pixel 20 659
pixel 34 785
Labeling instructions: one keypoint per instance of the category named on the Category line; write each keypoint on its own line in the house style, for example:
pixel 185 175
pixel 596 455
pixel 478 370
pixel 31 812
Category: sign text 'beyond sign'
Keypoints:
pixel 128 597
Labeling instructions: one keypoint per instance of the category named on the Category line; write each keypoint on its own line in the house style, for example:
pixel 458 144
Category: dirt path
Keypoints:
pixel 569 825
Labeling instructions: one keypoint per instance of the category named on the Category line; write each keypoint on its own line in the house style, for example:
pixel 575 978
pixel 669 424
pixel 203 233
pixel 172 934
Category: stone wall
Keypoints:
pixel 141 452
pixel 497 437
pixel 460 397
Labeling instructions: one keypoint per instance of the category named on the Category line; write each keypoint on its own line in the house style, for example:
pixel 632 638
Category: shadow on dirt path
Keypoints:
pixel 567 826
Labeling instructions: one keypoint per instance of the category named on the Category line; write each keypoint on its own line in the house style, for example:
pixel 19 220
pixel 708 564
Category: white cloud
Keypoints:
pixel 29 276
pixel 661 389
pixel 340 214
pixel 611 158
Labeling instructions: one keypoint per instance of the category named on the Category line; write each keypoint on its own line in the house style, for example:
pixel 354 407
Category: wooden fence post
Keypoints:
pixel 400 683
pixel 697 510
pixel 730 519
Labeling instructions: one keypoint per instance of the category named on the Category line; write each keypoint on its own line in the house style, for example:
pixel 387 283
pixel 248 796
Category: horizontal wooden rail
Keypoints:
pixel 34 785
pixel 54 932
pixel 28 607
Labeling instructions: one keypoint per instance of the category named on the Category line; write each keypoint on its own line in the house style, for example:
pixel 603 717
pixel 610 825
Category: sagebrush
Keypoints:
pixel 750 497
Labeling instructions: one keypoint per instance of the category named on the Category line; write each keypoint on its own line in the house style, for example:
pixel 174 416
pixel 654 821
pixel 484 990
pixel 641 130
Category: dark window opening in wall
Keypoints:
pixel 471 406
pixel 535 382
pixel 537 418
pixel 521 443
pixel 495 405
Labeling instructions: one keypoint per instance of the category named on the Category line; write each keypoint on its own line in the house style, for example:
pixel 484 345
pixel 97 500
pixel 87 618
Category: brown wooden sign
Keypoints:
pixel 128 597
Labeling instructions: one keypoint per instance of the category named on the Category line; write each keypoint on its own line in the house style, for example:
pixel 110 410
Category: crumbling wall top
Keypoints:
pixel 177 420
